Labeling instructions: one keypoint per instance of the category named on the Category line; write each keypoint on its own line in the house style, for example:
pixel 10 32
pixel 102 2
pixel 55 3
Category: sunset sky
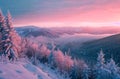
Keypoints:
pixel 50 13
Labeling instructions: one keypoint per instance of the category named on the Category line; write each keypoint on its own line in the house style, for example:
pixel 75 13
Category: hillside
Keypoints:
pixel 25 70
pixel 110 45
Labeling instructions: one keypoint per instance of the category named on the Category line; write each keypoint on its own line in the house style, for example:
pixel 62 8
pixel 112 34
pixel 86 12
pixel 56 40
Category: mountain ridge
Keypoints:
pixel 110 46
pixel 35 31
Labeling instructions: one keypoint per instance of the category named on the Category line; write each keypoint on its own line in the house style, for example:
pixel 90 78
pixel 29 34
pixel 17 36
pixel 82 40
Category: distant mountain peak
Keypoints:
pixel 35 31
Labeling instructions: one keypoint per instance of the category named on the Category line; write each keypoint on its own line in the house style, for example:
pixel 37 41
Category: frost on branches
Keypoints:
pixel 106 71
pixel 9 39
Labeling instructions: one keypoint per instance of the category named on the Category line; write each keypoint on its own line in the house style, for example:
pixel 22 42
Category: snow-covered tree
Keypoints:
pixel 100 60
pixel 27 49
pixel 6 39
pixel 44 53
pixel 9 39
pixel 2 25
pixel 2 22
pixel 51 56
pixel 58 59
pixel 79 70
pixel 92 73
pixel 68 63
pixel 23 47
pixel 101 71
pixel 13 40
pixel 112 66
pixel 114 69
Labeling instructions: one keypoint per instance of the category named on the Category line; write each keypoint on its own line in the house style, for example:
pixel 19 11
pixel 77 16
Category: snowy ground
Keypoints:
pixel 54 74
pixel 25 70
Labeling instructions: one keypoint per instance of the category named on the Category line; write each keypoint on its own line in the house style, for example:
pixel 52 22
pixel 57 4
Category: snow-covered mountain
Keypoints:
pixel 34 31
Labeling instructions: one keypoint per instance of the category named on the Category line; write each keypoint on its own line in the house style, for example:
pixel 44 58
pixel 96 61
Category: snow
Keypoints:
pixel 11 71
pixel 54 74
pixel 25 70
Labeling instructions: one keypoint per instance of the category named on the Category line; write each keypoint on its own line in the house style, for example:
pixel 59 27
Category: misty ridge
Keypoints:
pixel 61 53
pixel 66 34
pixel 71 30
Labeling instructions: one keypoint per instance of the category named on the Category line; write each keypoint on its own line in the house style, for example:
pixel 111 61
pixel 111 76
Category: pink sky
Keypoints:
pixel 73 13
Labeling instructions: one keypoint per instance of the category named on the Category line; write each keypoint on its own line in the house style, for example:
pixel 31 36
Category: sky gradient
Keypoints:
pixel 63 12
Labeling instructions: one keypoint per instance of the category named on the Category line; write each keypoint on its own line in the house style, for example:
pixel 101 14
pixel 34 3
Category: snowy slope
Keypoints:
pixel 23 70
pixel 54 74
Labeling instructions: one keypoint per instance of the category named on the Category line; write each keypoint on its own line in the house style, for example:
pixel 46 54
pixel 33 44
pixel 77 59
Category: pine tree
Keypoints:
pixel 112 66
pixel 114 69
pixel 44 51
pixel 2 22
pixel 50 57
pixel 14 37
pixel 79 70
pixel 9 39
pixel 2 25
pixel 5 41
pixel 58 59
pixel 68 63
pixel 101 71
pixel 8 44
pixel 100 59
pixel 35 47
